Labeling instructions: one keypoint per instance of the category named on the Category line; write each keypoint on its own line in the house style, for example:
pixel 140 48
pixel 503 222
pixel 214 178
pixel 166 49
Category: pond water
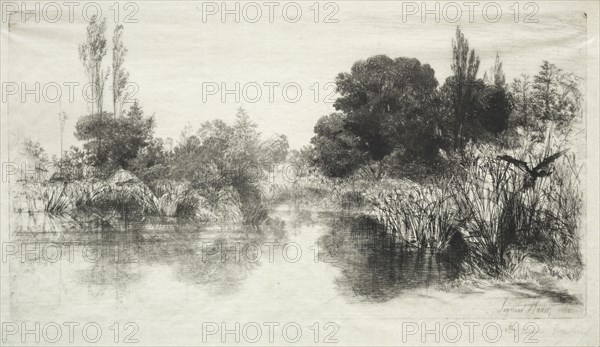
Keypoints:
pixel 167 273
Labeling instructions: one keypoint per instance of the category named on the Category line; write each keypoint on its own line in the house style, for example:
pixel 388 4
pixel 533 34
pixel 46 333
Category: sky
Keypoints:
pixel 178 51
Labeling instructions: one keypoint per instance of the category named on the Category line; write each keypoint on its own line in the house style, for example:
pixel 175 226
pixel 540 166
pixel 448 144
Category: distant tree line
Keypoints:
pixel 216 156
pixel 392 113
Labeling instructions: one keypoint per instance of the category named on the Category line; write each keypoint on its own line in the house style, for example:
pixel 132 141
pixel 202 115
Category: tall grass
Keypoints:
pixel 175 198
pixel 558 219
pixel 506 222
pixel 488 206
pixel 51 198
pixel 421 215
pixel 85 194
pixel 126 198
pixel 502 220
pixel 56 200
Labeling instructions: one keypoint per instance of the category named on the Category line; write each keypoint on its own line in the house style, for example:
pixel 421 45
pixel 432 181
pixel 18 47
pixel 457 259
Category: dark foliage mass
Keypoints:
pixel 386 106
pixel 114 142
pixel 338 152
pixel 392 115
pixel 385 101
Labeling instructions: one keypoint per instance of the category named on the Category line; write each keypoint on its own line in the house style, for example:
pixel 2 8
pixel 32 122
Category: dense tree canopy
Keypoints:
pixel 114 141
pixel 384 100
pixel 385 105
pixel 391 112
pixel 338 151
pixel 550 97
pixel 219 157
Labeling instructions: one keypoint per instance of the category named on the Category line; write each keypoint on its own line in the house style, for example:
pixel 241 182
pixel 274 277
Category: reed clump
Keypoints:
pixel 503 220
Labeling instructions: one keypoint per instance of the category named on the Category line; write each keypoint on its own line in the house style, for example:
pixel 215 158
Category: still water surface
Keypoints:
pixel 167 273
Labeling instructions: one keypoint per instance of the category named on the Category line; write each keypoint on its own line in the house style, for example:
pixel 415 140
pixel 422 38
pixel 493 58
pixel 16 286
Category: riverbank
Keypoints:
pixel 177 270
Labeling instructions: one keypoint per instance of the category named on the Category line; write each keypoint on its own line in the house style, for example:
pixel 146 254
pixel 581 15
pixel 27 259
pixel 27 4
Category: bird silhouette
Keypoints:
pixel 542 169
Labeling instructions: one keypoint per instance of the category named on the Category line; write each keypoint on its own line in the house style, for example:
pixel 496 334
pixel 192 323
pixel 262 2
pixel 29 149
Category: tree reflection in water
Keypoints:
pixel 376 267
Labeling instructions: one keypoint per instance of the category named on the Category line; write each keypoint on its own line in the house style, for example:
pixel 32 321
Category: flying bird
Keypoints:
pixel 542 169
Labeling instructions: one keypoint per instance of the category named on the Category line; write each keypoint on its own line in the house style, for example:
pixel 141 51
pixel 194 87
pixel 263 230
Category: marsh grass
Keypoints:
pixel 55 200
pixel 416 215
pixel 172 198
pixel 506 222
pixel 126 198
pixel 85 194
pixel 314 192
pixel 488 207
pixel 502 221
pixel 38 197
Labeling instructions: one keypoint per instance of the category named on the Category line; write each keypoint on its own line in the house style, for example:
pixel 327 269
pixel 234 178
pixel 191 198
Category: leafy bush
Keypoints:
pixel 55 200
pixel 38 197
pixel 175 198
